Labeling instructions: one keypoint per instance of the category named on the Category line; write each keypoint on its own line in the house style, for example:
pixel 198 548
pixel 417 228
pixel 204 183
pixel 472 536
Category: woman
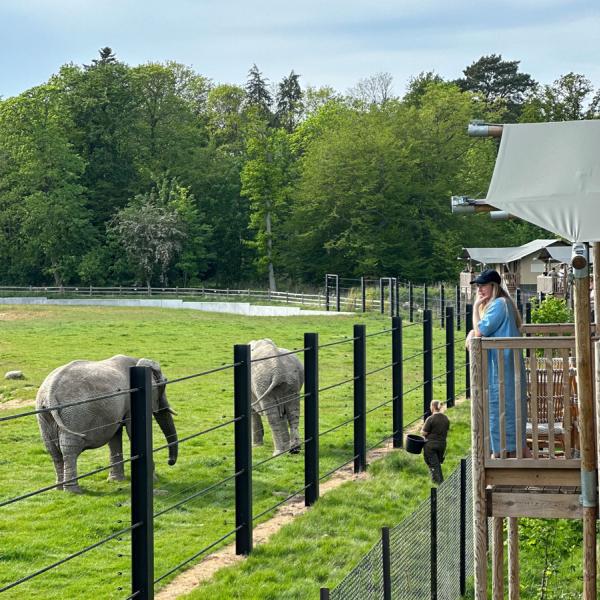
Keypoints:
pixel 495 315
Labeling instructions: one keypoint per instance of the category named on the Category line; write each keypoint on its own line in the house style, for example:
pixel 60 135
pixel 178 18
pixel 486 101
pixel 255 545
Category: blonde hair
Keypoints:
pixel 499 292
pixel 435 406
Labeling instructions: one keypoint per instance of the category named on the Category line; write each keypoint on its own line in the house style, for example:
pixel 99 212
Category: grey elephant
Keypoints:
pixel 69 431
pixel 276 385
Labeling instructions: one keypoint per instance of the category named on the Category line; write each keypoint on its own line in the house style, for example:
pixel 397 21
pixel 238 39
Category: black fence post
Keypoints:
pixel 324 595
pixel 528 312
pixel 397 288
pixel 311 418
pixel 360 398
pixel 243 448
pixel 381 297
pixel 458 308
pixel 386 563
pixel 363 294
pixel 397 385
pixel 427 361
pixel 327 292
pixel 468 327
pixel 425 298
pixel 337 293
pixel 433 505
pixel 411 302
pixel 391 299
pixel 142 499
pixel 450 364
pixel 442 306
pixel 463 526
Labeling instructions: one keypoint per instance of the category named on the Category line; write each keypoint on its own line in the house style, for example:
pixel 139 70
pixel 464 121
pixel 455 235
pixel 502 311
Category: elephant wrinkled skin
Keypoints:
pixel 276 385
pixel 66 432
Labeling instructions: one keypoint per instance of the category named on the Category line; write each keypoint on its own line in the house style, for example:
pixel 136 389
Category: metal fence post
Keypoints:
pixel 427 361
pixel 463 526
pixel 391 296
pixel 142 499
pixel 450 363
pixel 397 386
pixel 528 312
pixel 363 294
pixel 397 288
pixel 468 327
pixel 337 293
pixel 381 296
pixel 311 418
pixel 442 306
pixel 386 563
pixel 411 302
pixel 243 448
pixel 327 292
pixel 425 298
pixel 324 594
pixel 458 308
pixel 433 505
pixel 360 398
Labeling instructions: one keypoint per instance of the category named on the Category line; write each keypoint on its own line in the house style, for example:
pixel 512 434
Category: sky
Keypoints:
pixel 328 42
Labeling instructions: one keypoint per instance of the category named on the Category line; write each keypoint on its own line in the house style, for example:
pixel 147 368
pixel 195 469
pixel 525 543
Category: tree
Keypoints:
pixel 569 98
pixel 289 102
pixel 150 234
pixel 226 116
pixel 418 86
pixel 257 93
pixel 374 90
pixel 498 83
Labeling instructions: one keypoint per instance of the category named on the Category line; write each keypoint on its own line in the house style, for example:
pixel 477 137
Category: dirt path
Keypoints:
pixel 202 572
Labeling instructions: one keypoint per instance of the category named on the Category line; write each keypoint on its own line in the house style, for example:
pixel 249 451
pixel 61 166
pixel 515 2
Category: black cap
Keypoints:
pixel 488 276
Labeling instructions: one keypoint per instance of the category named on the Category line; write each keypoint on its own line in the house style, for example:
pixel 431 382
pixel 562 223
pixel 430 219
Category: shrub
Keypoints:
pixel 551 310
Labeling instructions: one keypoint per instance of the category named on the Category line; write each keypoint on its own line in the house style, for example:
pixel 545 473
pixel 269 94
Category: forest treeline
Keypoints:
pixel 153 174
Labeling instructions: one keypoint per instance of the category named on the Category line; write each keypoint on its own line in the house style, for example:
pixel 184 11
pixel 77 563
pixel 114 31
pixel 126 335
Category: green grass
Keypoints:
pixel 48 527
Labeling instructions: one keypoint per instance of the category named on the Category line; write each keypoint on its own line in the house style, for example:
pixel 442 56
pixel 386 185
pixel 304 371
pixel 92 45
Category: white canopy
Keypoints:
pixel 549 174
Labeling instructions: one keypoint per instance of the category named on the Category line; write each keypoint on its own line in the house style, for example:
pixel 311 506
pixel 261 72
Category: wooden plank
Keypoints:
pixel 550 399
pixel 537 506
pixel 532 464
pixel 501 403
pixel 513 558
pixel 487 447
pixel 532 342
pixel 534 477
pixel 566 395
pixel 478 425
pixel 497 558
pixel 533 402
pixel 516 355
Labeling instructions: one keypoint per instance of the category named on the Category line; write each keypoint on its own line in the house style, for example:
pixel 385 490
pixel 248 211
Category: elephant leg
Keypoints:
pixel 117 472
pixel 292 411
pixel 71 449
pixel 279 428
pixel 258 430
pixel 49 435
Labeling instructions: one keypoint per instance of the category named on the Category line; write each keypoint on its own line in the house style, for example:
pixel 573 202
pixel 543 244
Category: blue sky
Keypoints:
pixel 329 42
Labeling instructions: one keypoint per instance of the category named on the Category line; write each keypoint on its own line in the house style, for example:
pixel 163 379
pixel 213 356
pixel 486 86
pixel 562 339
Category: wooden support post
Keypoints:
pixel 596 254
pixel 513 558
pixel 587 434
pixel 497 558
pixel 479 501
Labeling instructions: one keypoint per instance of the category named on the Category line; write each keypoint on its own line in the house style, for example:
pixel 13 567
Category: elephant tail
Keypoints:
pixel 61 425
pixel 54 409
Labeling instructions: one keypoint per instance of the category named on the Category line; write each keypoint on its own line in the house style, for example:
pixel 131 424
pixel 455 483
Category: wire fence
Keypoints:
pixel 146 387
pixel 425 556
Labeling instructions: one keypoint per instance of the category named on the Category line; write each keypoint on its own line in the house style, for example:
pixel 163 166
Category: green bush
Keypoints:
pixel 551 310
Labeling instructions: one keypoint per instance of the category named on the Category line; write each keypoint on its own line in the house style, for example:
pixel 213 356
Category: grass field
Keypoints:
pixel 50 526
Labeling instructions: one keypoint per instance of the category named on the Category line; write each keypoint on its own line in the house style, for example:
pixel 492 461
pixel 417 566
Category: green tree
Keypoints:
pixel 151 235
pixel 257 94
pixel 499 84
pixel 226 116
pixel 289 102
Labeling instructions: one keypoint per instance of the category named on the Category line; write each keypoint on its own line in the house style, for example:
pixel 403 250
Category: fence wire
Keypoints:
pixel 410 552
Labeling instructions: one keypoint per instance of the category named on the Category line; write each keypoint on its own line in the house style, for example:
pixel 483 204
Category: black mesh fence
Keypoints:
pixel 430 552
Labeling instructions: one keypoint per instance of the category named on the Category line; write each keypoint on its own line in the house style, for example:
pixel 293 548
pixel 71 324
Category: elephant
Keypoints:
pixel 275 391
pixel 69 431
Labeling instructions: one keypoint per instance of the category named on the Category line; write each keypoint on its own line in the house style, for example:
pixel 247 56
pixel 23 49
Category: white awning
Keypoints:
pixel 549 174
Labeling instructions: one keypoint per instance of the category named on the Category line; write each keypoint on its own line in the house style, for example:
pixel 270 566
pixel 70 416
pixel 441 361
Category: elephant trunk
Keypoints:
pixel 164 418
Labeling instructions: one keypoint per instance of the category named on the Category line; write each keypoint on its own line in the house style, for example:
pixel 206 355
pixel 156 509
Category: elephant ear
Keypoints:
pixel 157 376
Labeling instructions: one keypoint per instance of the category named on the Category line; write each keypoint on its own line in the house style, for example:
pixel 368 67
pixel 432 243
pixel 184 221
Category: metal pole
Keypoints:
pixel 337 293
pixel 458 308
pixel 442 306
pixel 425 297
pixel 463 526
pixel 142 499
pixel 528 312
pixel 324 595
pixel 243 448
pixel 411 302
pixel 391 295
pixel 381 296
pixel 311 417
pixel 327 292
pixel 450 366
pixel 433 504
pixel 468 327
pixel 360 398
pixel 427 362
pixel 363 294
pixel 397 386
pixel 386 563
pixel 397 288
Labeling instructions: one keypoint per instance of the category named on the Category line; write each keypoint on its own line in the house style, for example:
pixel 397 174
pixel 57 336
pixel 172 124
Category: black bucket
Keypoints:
pixel 414 443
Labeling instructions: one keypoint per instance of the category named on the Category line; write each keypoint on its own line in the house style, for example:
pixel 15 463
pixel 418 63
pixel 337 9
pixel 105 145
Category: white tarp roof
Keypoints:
pixel 492 256
pixel 549 174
